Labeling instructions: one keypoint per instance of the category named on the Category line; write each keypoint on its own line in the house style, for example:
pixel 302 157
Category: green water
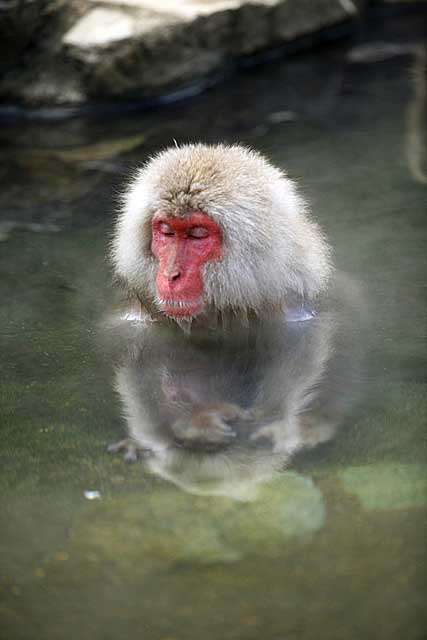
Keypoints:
pixel 329 546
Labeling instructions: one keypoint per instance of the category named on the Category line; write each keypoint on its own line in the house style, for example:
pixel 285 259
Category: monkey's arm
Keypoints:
pixel 291 433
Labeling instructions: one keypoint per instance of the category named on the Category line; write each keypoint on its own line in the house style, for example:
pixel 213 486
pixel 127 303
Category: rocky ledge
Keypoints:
pixel 68 52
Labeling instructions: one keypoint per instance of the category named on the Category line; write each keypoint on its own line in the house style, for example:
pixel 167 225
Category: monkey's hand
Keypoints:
pixel 294 433
pixel 285 434
pixel 275 431
pixel 131 450
pixel 211 424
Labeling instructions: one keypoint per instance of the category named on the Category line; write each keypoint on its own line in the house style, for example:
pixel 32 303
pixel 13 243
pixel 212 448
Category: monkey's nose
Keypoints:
pixel 174 275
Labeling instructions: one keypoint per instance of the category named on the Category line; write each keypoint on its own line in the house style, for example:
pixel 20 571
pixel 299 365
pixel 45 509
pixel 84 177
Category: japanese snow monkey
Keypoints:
pixel 216 237
pixel 213 232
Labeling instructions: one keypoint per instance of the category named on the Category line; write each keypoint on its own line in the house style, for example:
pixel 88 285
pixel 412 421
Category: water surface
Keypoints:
pixel 325 541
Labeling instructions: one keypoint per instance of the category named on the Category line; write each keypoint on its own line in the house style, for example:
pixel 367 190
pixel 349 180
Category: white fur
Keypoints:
pixel 274 254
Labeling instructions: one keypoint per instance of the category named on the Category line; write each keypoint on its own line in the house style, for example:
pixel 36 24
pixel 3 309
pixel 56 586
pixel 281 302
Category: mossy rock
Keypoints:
pixel 387 485
pixel 169 526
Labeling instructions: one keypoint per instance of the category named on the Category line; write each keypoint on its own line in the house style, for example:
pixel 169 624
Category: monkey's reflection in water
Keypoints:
pixel 219 415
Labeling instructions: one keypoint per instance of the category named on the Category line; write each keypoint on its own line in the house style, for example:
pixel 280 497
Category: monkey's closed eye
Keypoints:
pixel 165 229
pixel 198 232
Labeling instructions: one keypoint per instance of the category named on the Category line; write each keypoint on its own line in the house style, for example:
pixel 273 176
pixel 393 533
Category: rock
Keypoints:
pixel 71 52
pixel 31 64
pixel 21 23
pixel 379 51
pixel 387 485
pixel 103 26
pixel 168 526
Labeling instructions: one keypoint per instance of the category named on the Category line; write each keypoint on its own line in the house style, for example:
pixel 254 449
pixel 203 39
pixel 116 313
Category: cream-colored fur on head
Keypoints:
pixel 274 255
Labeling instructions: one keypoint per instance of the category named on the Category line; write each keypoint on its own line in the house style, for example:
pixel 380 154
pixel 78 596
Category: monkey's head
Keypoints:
pixel 217 229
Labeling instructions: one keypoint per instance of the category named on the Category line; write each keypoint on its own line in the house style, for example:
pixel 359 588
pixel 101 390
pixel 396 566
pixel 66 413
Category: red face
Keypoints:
pixel 183 246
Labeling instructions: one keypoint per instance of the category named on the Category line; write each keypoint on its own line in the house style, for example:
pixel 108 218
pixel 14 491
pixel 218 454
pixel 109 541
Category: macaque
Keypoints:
pixel 215 232
pixel 216 239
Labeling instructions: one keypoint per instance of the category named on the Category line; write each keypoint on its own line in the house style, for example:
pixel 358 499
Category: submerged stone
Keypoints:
pixel 289 506
pixel 387 485
pixel 169 527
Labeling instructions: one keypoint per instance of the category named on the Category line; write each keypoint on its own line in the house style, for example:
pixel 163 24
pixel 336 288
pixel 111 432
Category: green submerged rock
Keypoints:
pixel 168 526
pixel 387 485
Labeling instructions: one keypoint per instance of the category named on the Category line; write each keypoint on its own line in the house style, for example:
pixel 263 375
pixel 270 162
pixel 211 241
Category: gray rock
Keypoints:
pixel 71 52
pixel 21 24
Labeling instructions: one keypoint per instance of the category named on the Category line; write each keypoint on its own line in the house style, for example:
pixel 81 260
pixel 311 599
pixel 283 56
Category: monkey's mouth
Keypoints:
pixel 180 308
